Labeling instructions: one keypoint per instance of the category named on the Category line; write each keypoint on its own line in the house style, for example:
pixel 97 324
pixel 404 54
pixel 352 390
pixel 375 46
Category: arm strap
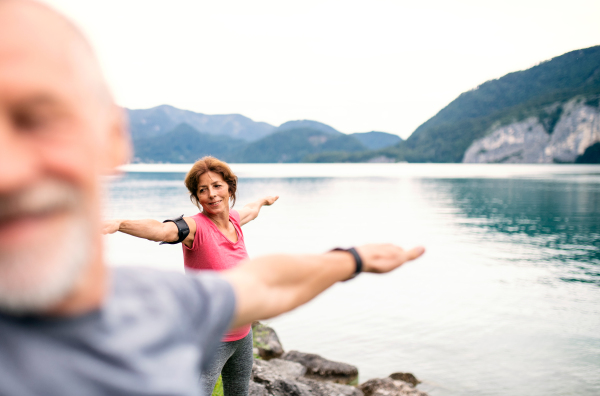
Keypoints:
pixel 182 228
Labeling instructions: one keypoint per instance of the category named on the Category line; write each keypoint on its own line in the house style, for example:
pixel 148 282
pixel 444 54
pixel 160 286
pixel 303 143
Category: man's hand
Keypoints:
pixel 110 226
pixel 271 285
pixel 385 258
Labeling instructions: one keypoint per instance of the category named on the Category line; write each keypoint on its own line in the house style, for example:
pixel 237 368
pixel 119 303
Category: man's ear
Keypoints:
pixel 118 143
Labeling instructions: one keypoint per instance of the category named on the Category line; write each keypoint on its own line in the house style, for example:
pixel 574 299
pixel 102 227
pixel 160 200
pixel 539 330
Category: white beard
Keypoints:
pixel 34 279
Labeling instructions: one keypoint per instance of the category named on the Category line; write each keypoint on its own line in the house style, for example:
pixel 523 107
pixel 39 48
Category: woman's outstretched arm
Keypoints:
pixel 152 230
pixel 251 210
pixel 271 285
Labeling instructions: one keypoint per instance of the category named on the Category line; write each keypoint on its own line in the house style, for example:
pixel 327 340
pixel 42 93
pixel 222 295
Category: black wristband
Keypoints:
pixel 182 230
pixel 357 260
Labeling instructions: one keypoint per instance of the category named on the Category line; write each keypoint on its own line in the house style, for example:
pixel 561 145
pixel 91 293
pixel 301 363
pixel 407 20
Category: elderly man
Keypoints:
pixel 69 325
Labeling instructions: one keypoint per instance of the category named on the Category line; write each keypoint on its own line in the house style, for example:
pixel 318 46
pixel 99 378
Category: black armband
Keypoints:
pixel 182 227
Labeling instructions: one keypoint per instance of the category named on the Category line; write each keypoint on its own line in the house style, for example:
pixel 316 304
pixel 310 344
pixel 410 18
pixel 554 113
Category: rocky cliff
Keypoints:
pixel 560 135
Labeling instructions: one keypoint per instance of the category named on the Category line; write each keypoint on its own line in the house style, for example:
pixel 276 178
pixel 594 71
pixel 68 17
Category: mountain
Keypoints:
pixel 163 134
pixel 510 119
pixel 308 124
pixel 515 97
pixel 184 144
pixel 294 145
pixel 548 113
pixel 512 98
pixel 148 123
pixel 377 140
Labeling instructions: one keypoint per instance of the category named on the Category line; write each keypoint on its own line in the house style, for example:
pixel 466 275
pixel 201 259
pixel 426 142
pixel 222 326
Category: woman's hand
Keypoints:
pixel 110 226
pixel 383 258
pixel 268 201
pixel 251 211
pixel 150 229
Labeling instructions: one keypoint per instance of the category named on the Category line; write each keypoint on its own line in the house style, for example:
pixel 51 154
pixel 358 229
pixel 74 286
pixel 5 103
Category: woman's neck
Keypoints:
pixel 221 220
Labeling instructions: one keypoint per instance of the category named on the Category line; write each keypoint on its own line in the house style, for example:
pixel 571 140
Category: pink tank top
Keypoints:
pixel 212 250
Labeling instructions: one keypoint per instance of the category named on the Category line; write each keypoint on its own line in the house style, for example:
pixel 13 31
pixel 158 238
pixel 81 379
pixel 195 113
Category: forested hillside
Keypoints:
pixel 164 135
pixel 536 92
pixel 293 145
pixel 446 136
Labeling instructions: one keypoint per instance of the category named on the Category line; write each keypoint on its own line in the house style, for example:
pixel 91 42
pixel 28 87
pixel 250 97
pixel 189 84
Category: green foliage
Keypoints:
pixel 593 102
pixel 258 331
pixel 218 390
pixel 293 145
pixel 446 136
pixel 514 97
pixel 184 144
pixel 377 140
pixel 537 92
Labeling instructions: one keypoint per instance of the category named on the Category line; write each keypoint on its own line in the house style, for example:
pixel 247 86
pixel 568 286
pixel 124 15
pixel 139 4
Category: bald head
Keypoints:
pixel 39 26
pixel 59 131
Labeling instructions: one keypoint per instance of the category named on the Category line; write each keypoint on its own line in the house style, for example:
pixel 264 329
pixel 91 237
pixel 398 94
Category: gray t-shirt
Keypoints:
pixel 152 336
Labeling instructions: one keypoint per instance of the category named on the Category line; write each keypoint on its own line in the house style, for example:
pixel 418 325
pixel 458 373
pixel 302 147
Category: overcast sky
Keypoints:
pixel 355 65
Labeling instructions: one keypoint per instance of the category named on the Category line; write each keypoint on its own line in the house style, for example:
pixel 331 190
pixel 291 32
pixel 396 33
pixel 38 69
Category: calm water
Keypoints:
pixel 506 300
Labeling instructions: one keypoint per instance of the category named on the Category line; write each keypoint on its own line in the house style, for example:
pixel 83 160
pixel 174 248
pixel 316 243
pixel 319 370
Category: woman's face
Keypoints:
pixel 213 193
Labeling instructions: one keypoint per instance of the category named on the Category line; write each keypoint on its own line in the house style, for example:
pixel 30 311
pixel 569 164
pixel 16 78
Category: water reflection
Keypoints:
pixel 560 221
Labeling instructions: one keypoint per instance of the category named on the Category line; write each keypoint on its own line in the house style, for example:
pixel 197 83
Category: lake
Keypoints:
pixel 506 300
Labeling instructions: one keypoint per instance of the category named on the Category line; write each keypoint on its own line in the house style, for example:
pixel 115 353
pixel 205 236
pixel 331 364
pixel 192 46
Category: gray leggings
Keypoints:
pixel 233 360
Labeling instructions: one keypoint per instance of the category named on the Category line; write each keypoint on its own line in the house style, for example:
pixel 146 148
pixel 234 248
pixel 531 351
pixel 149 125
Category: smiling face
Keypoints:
pixel 58 132
pixel 213 193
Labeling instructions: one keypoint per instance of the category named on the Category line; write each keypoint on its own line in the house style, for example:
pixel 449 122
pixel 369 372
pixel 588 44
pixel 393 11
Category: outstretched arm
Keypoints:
pixel 151 229
pixel 251 211
pixel 271 285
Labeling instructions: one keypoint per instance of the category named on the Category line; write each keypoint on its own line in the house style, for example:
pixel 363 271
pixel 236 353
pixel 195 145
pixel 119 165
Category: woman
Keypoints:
pixel 215 242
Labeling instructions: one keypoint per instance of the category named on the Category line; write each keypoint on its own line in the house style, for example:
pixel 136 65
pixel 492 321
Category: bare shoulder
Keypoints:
pixel 191 224
pixel 189 240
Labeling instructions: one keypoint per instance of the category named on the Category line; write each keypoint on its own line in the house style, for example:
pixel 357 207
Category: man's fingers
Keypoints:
pixel 414 253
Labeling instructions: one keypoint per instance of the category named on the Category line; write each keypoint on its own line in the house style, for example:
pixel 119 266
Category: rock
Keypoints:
pixel 256 389
pixel 268 371
pixel 278 377
pixel 330 388
pixel 288 388
pixel 561 135
pixel 322 369
pixel 389 387
pixel 266 341
pixel 406 377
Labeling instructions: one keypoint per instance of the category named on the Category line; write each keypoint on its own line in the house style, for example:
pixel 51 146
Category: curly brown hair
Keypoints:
pixel 203 165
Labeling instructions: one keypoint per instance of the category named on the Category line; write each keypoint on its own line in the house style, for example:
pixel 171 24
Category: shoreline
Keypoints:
pixel 277 372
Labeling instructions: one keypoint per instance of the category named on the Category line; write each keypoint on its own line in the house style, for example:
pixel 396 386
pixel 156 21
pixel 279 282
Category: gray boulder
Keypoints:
pixel 322 369
pixel 288 388
pixel 268 371
pixel 389 387
pixel 279 377
pixel 266 342
pixel 330 388
pixel 256 389
pixel 406 377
